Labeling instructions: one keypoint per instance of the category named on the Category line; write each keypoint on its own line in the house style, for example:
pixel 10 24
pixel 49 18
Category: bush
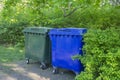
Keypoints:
pixel 101 58
pixel 13 21
pixel 19 14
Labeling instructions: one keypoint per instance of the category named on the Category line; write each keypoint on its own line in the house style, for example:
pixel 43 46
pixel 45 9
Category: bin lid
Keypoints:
pixel 68 31
pixel 42 30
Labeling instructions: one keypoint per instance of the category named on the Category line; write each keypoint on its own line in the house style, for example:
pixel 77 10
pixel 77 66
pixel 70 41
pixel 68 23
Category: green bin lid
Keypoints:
pixel 42 30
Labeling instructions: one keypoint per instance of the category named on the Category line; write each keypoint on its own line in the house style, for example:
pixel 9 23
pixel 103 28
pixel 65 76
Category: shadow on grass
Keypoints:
pixel 10 54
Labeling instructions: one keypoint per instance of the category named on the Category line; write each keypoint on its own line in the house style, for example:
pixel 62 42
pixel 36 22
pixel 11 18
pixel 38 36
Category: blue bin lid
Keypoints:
pixel 68 31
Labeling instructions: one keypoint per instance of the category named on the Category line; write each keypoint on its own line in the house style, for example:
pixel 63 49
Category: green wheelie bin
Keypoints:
pixel 37 45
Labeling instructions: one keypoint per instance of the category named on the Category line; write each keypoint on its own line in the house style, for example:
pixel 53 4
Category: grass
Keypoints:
pixel 10 54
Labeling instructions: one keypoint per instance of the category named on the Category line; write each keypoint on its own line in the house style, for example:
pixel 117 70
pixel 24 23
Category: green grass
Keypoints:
pixel 10 54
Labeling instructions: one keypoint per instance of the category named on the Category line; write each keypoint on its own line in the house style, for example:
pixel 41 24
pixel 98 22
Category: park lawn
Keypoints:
pixel 10 54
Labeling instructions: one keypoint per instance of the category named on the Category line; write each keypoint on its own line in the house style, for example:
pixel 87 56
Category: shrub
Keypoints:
pixel 18 14
pixel 101 58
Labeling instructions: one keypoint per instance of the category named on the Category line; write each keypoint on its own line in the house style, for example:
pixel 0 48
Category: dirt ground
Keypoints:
pixel 22 71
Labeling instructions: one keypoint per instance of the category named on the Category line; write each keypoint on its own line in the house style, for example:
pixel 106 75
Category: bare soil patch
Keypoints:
pixel 22 71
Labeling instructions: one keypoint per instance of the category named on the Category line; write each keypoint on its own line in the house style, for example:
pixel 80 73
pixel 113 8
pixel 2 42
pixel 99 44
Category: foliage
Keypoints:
pixel 12 22
pixel 101 56
pixel 18 14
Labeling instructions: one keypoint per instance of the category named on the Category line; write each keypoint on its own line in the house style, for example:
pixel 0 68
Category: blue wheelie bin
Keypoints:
pixel 66 43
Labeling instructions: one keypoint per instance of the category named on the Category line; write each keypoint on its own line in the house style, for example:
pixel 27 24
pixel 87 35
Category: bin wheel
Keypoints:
pixel 76 73
pixel 55 71
pixel 27 61
pixel 43 66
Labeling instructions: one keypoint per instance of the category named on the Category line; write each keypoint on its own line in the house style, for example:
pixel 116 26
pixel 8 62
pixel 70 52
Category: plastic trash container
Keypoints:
pixel 66 43
pixel 37 45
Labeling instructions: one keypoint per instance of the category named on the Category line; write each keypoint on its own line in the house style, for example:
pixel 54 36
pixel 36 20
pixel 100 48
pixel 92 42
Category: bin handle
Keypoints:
pixel 35 29
pixel 65 30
